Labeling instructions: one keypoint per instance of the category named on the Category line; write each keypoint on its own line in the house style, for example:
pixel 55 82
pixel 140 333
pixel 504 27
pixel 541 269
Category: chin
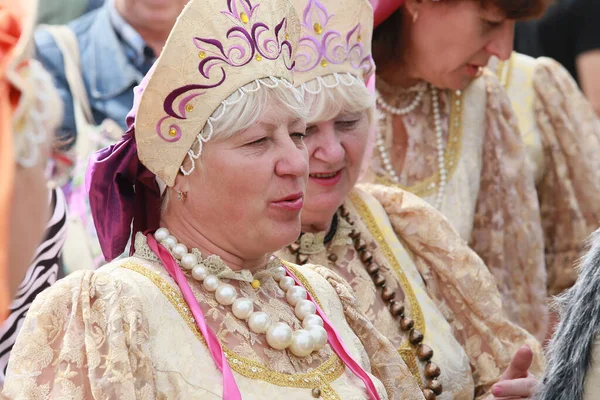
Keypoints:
pixel 282 235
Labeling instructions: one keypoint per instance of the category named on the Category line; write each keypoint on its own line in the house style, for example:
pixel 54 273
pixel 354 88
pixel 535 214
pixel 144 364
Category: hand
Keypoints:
pixel 516 382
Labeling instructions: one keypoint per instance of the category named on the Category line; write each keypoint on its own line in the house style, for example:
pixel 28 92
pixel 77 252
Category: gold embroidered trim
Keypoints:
pixel 428 186
pixel 407 352
pixel 504 72
pixel 320 377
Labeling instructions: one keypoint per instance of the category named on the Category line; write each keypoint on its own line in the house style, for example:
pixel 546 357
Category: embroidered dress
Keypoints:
pixel 443 285
pixel 125 331
pixel 489 196
pixel 562 134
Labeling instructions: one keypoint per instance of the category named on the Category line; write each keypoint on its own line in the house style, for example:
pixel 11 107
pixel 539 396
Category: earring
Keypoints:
pixel 415 16
pixel 181 196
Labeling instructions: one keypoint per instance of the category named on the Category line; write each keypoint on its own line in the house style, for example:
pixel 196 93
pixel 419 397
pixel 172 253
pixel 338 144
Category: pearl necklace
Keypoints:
pixel 385 158
pixel 279 335
pixel 404 110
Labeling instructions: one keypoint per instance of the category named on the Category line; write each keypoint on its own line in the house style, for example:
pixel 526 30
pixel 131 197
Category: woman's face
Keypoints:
pixel 336 149
pixel 159 14
pixel 248 193
pixel 450 41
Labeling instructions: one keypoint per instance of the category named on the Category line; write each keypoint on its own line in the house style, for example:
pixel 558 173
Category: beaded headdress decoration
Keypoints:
pixel 214 49
pixel 335 40
pixel 39 109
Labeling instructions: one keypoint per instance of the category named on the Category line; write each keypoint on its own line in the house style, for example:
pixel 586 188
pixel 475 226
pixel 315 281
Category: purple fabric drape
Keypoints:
pixel 122 190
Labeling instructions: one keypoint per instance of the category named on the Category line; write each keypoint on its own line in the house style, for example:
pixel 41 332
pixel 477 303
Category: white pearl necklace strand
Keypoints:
pixel 385 158
pixel 279 335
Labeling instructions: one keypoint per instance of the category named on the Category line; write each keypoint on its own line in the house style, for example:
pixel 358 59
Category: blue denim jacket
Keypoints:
pixel 111 63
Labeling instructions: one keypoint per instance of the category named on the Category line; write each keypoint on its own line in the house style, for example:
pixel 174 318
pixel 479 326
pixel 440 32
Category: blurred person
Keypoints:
pixel 569 33
pixel 30 111
pixel 447 133
pixel 118 43
pixel 562 135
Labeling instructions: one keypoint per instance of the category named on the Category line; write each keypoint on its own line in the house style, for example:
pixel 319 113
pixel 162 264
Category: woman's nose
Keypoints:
pixel 501 44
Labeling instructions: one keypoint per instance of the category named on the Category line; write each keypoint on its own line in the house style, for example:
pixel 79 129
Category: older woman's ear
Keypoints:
pixel 182 186
pixel 413 7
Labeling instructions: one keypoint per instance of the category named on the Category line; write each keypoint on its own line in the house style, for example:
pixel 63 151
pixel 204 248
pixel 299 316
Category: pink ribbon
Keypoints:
pixel 383 9
pixel 230 389
pixel 338 346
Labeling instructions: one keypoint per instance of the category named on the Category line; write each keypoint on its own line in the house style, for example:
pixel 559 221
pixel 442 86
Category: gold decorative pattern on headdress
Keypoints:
pixel 335 39
pixel 215 48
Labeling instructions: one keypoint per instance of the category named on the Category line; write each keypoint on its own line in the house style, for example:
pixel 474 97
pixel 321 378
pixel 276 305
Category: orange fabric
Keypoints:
pixel 10 31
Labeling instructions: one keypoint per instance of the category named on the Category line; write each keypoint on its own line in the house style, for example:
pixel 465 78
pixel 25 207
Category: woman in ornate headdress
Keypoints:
pixel 414 278
pixel 212 173
pixel 562 133
pixel 448 134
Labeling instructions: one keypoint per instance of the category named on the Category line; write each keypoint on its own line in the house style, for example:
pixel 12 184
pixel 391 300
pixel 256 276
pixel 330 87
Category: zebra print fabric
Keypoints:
pixel 42 273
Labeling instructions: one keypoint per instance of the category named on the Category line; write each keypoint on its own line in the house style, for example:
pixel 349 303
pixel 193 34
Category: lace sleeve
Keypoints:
pixel 507 231
pixel 84 338
pixel 386 363
pixel 570 188
pixel 460 284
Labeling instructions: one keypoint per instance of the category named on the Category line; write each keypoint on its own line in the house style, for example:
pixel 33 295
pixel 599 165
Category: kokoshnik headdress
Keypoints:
pixel 215 49
pixel 335 40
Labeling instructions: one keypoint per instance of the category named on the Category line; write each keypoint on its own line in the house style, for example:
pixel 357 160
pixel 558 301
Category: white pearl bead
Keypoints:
pixel 305 308
pixel 179 250
pixel 286 283
pixel 169 242
pixel 259 322
pixel 189 261
pixel 302 343
pixel 226 294
pixel 242 308
pixel 279 273
pixel 312 319
pixel 211 283
pixel 161 234
pixel 279 336
pixel 199 272
pixel 295 294
pixel 319 336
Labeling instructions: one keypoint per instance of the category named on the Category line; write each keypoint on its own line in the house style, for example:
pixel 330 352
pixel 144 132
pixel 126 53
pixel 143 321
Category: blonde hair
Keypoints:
pixel 328 96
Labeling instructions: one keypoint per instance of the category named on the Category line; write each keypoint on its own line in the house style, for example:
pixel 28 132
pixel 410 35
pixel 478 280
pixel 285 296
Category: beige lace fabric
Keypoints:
pixel 125 332
pixel 493 204
pixel 570 186
pixel 445 287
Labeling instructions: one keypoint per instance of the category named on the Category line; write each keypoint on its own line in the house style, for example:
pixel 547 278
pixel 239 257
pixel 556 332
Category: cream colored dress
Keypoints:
pixel 446 288
pixel 562 134
pixel 490 196
pixel 125 332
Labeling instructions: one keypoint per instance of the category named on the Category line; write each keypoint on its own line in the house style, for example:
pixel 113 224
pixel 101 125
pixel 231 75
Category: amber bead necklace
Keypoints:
pixel 424 353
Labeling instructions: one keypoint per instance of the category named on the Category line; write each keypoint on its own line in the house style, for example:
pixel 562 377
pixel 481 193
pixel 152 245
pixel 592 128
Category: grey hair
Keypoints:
pixel 328 96
pixel 569 352
pixel 244 108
